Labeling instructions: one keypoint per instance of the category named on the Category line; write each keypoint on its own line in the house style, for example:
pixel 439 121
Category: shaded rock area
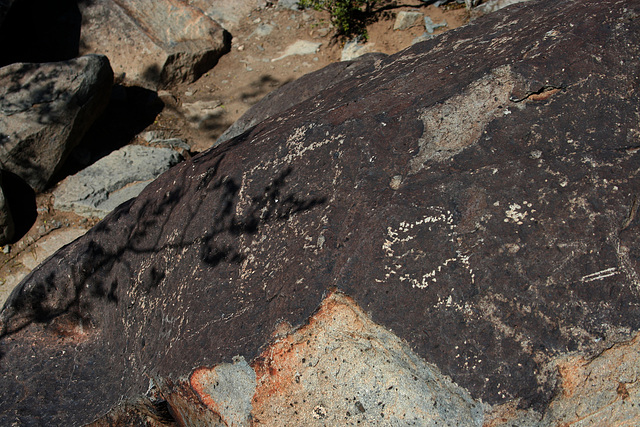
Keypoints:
pixel 475 195
pixel 5 5
pixel 45 109
pixel 39 30
pixel 112 180
pixel 7 226
pixel 153 43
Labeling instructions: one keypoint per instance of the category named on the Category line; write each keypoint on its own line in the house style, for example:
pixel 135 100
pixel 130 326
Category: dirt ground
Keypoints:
pixel 239 80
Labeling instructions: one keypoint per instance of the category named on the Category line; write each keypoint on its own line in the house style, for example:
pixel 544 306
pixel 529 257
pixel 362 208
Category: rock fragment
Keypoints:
pixel 45 109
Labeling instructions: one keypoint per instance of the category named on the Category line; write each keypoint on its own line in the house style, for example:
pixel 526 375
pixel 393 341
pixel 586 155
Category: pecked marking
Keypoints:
pixel 399 255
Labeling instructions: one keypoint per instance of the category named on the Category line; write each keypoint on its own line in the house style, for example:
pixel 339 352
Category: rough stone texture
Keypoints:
pixel 7 227
pixel 296 380
pixel 228 12
pixel 492 6
pixel 153 42
pixel 492 258
pixel 298 91
pixel 112 180
pixel 407 19
pixel 356 48
pixel 45 109
pixel 26 261
pixel 600 391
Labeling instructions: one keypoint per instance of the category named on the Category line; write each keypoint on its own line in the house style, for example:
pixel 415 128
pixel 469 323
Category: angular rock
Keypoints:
pixel 112 180
pixel 153 42
pixel 45 109
pixel 474 195
pixel 407 19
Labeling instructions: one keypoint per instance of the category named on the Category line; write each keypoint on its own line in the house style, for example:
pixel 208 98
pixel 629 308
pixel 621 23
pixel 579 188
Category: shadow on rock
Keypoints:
pixel 129 112
pixel 40 31
pixel 21 200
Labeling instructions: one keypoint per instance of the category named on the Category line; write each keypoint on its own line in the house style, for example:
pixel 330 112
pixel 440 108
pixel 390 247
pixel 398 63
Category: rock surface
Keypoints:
pixel 475 194
pixel 7 226
pixel 408 19
pixel 153 42
pixel 298 91
pixel 112 180
pixel 45 109
pixel 492 6
pixel 21 264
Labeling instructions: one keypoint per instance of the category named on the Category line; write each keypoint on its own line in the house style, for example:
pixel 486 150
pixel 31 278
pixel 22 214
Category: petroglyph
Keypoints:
pixel 517 213
pixel 401 255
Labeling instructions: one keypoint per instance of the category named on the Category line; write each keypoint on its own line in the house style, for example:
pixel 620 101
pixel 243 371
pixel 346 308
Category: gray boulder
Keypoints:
pixel 45 109
pixel 112 180
pixel 153 43
pixel 407 19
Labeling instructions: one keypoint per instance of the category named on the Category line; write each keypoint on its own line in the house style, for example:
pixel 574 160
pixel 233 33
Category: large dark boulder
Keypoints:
pixel 45 110
pixel 475 195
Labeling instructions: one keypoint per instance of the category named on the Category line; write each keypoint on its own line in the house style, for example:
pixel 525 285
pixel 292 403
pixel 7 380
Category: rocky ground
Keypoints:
pixel 198 113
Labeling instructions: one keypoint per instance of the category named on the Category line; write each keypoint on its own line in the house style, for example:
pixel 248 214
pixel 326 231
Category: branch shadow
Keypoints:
pixel 95 272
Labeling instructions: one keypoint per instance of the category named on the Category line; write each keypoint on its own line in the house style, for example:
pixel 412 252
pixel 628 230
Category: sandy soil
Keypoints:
pixel 239 80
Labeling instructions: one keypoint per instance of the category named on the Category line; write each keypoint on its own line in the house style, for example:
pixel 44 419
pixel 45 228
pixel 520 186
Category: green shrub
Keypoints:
pixel 347 16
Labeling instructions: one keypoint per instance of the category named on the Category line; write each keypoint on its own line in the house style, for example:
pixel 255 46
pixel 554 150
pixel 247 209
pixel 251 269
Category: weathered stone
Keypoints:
pixel 26 261
pixel 288 4
pixel 407 19
pixel 228 12
pixel 153 42
pixel 492 6
pixel 7 227
pixel 431 26
pixel 299 47
pixel 296 380
pixel 45 109
pixel 112 180
pixel 356 48
pixel 474 195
